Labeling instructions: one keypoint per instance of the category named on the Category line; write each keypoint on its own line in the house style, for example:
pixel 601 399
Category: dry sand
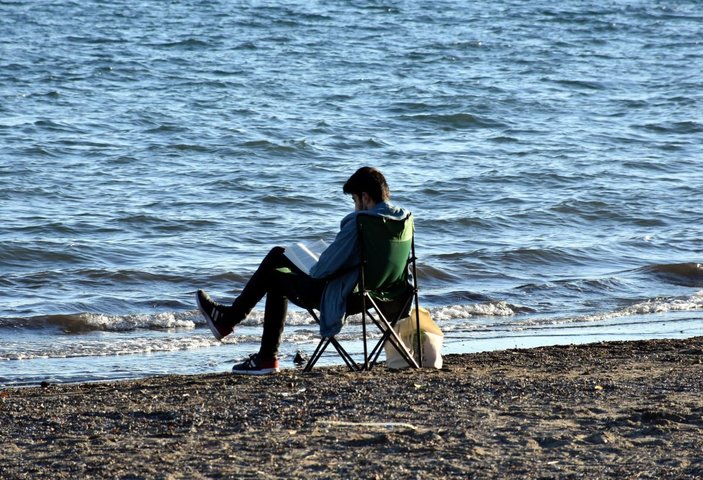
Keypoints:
pixel 609 410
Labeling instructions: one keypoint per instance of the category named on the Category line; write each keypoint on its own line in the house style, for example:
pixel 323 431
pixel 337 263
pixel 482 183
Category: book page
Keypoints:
pixel 305 255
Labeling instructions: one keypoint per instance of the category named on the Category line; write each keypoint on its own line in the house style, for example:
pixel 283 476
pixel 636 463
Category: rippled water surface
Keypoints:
pixel 551 153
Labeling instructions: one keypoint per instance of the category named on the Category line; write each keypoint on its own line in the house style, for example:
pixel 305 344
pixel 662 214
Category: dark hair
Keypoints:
pixel 369 180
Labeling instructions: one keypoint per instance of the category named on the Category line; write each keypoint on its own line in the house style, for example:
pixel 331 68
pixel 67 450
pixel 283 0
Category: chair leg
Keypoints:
pixel 322 346
pixel 389 334
pixel 417 329
pixel 376 352
pixel 353 366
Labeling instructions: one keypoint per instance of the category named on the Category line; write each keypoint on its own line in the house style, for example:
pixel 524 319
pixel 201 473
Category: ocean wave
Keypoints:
pixel 683 274
pixel 646 307
pixel 456 120
pixel 86 322
pixel 15 254
pixel 104 348
pixel 188 43
pixel 661 306
pixel 441 313
pixel 452 312
pixel 590 285
pixel 287 146
pixel 688 127
pixel 534 256
pixel 576 85
pixel 492 318
pixel 94 40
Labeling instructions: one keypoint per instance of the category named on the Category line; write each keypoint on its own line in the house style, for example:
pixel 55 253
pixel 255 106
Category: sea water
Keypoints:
pixel 550 151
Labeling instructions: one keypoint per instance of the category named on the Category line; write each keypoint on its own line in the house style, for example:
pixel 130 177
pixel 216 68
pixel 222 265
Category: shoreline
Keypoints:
pixel 602 410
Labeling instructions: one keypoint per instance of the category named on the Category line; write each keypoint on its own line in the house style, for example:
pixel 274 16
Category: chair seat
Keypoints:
pixel 391 308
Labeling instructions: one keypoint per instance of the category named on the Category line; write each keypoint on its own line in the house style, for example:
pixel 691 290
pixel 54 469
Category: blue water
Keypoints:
pixel 551 154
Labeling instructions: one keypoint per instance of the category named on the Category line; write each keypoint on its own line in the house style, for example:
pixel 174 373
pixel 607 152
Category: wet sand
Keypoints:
pixel 607 410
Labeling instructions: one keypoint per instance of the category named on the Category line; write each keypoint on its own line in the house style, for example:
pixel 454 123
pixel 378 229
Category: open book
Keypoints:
pixel 305 255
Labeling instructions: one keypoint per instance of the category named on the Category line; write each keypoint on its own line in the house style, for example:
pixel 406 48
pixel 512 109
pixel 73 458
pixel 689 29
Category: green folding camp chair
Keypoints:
pixel 386 290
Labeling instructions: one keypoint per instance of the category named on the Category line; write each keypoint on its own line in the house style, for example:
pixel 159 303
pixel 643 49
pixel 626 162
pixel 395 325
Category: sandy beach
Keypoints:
pixel 607 410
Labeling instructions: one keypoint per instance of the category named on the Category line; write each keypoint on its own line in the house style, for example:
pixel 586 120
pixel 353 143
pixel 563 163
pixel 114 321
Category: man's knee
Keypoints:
pixel 275 258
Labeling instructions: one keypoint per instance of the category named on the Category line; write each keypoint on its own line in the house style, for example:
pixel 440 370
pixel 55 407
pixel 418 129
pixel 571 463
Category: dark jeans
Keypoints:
pixel 278 287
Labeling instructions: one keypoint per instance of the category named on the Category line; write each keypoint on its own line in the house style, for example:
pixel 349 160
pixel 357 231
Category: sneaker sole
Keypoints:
pixel 208 320
pixel 263 371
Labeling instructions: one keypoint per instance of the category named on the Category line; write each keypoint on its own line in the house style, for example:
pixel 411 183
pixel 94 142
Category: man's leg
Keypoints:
pixel 221 318
pixel 281 282
pixel 258 285
pixel 278 287
pixel 295 286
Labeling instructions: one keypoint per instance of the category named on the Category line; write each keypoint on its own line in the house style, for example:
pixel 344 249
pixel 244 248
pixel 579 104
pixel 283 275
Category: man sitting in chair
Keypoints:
pixel 332 279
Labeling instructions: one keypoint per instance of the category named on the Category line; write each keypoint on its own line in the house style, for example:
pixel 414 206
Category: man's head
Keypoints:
pixel 368 187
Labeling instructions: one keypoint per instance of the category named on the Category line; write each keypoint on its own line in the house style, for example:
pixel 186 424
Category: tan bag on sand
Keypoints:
pixel 431 338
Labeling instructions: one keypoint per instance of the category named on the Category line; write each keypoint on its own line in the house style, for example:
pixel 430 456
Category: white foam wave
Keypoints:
pixel 101 348
pixel 493 309
pixel 647 307
pixel 449 312
pixel 298 317
pixel 85 322
pixel 28 345
pixel 653 306
pixel 120 323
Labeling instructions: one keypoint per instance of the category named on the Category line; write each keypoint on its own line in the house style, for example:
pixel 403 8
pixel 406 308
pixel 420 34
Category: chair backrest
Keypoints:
pixel 386 247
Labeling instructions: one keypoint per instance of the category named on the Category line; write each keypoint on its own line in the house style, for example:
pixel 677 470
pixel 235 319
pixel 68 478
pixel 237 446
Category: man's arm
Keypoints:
pixel 343 252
